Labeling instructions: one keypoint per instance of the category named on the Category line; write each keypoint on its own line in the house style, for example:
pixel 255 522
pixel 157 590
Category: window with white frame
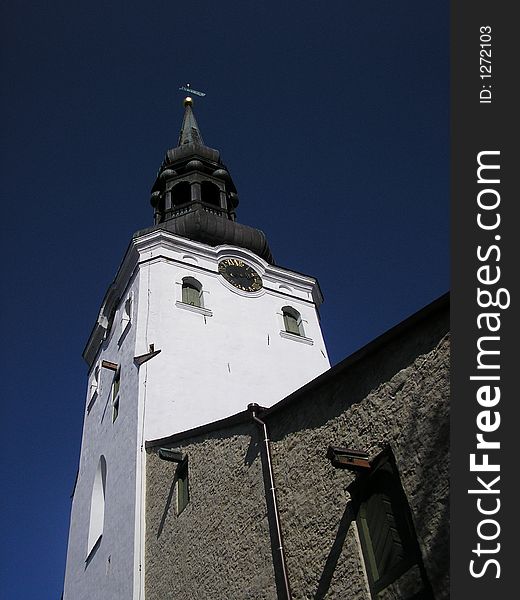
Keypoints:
pixel 292 321
pixel 192 292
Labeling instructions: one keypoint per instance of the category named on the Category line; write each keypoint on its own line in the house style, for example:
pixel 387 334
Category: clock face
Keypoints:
pixel 240 275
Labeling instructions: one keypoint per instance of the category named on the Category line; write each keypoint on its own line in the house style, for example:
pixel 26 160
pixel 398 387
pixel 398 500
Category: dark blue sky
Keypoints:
pixel 333 120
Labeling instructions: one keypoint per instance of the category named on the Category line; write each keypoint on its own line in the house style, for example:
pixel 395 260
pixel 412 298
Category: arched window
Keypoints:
pixel 292 321
pixel 210 193
pixel 97 506
pixel 181 193
pixel 192 292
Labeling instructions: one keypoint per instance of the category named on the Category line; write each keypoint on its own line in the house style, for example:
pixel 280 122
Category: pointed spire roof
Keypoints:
pixel 190 132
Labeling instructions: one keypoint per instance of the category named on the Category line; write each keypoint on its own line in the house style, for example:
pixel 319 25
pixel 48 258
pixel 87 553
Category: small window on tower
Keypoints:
pixel 116 383
pixel 94 387
pixel 191 292
pixel 292 321
pixel 126 313
pixel 183 491
pixel 97 508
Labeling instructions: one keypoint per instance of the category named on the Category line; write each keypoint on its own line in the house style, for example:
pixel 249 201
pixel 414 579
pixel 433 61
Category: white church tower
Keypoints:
pixel 198 323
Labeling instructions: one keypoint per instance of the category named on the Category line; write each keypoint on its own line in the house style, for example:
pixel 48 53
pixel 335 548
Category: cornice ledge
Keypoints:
pixel 154 239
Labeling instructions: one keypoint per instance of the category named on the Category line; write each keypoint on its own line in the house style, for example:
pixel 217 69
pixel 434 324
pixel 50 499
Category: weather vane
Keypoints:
pixel 187 88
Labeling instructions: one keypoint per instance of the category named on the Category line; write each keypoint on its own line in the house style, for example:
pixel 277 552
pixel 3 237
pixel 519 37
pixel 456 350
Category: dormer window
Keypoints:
pixel 192 292
pixel 292 321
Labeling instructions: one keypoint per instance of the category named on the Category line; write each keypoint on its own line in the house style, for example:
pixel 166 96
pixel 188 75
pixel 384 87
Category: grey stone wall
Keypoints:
pixel 398 397
pixel 218 547
pixel 396 394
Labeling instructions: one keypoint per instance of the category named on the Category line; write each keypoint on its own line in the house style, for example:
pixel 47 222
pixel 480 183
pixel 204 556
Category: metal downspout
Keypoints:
pixel 279 541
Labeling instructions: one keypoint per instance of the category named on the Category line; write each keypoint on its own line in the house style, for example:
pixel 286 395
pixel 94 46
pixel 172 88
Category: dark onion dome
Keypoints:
pixel 194 165
pixel 167 173
pixel 208 228
pixel 221 174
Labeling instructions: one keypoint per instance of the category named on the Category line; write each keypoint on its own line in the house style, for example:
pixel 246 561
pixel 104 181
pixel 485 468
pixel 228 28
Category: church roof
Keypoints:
pixel 214 230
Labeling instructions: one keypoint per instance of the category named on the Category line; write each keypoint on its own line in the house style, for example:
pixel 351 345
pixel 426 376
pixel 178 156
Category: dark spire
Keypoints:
pixel 194 195
pixel 190 132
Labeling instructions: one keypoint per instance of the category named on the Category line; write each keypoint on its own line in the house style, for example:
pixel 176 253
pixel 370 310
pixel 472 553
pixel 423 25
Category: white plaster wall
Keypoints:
pixel 110 572
pixel 212 366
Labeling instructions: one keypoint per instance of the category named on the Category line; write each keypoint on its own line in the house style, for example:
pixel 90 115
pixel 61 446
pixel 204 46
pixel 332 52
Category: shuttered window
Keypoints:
pixel 292 321
pixel 386 532
pixel 384 544
pixel 191 294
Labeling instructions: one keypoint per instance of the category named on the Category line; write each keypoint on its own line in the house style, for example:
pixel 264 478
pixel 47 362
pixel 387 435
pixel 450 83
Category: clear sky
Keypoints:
pixel 333 120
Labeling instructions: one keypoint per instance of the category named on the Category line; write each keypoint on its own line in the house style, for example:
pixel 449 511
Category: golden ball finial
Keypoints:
pixel 188 101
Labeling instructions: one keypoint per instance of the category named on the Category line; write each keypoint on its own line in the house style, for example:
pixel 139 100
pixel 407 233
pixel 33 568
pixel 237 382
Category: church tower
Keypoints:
pixel 198 323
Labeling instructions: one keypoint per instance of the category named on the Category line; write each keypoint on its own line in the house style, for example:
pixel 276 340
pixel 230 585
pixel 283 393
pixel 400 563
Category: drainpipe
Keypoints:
pixel 254 408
